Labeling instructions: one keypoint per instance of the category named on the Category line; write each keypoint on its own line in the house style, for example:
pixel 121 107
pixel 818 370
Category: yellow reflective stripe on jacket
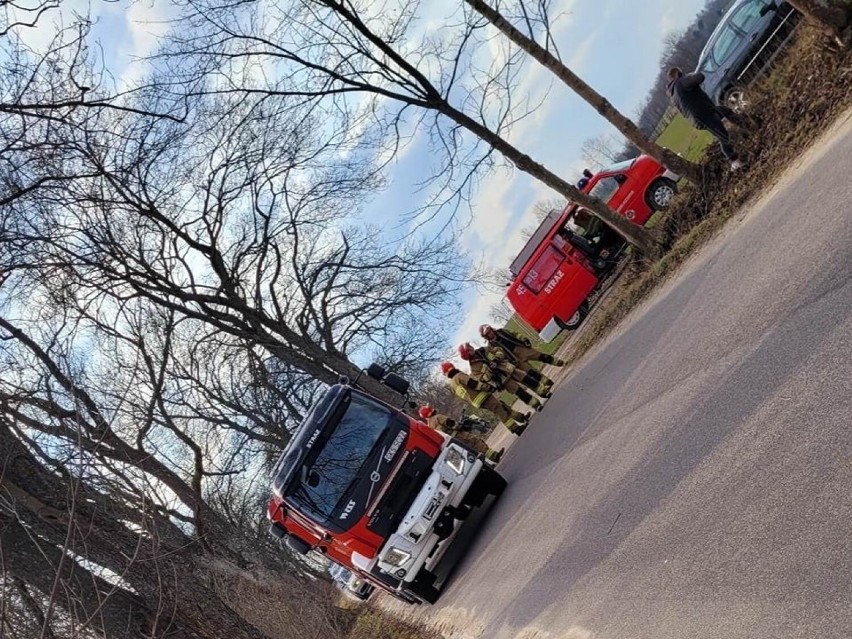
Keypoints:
pixel 461 392
pixel 479 400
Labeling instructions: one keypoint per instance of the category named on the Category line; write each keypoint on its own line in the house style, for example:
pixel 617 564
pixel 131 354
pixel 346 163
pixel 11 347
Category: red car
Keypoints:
pixel 572 252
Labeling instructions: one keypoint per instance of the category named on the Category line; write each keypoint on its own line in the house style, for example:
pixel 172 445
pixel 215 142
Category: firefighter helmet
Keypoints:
pixel 446 367
pixel 466 351
pixel 426 412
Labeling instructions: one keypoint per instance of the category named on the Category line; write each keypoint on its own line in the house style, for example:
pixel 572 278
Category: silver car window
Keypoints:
pixel 725 44
pixel 748 15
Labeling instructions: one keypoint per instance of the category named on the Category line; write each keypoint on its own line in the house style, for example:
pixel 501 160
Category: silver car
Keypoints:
pixel 743 46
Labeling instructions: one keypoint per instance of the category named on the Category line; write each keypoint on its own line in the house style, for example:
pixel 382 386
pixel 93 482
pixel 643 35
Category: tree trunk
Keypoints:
pixel 832 20
pixel 93 603
pixel 666 157
pixel 638 236
pixel 327 368
pixel 173 580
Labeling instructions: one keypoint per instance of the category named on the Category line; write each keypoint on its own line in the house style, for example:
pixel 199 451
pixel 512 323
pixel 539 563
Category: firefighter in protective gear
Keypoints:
pixel 480 367
pixel 519 349
pixel 532 379
pixel 449 426
pixel 480 395
pixel 511 381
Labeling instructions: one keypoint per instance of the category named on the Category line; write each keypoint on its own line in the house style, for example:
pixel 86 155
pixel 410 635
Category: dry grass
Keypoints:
pixel 282 606
pixel 794 107
pixel 373 624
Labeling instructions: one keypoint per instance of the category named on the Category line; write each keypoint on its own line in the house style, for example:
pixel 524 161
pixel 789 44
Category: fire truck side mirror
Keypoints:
pixel 391 380
pixel 376 371
pixel 344 379
pixel 397 383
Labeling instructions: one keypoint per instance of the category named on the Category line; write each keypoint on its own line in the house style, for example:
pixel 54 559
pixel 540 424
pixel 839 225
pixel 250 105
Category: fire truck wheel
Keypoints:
pixel 298 545
pixel 661 193
pixel 423 587
pixel 495 483
pixel 573 322
pixel 489 482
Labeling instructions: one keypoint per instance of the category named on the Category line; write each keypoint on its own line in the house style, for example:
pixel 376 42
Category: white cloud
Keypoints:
pixel 495 231
pixel 147 23
pixel 551 133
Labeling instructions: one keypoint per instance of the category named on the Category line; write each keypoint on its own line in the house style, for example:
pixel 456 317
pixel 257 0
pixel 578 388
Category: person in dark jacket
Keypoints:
pixel 686 94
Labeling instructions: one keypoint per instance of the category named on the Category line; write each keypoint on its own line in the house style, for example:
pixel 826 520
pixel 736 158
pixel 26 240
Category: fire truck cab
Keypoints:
pixel 376 491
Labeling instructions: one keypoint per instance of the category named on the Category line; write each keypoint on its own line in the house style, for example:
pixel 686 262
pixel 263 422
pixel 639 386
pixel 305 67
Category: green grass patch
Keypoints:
pixel 681 137
pixel 518 327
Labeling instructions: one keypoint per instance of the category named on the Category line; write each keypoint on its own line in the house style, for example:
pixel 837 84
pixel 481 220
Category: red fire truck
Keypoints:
pixel 571 253
pixel 376 490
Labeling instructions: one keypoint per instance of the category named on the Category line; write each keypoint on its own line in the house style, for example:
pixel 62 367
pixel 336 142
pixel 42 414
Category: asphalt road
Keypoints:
pixel 692 478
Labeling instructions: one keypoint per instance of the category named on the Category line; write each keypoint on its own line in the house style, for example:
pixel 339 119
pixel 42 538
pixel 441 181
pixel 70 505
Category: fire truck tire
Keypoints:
pixel 661 193
pixel 423 587
pixel 495 483
pixel 409 599
pixel 298 545
pixel 489 482
pixel 574 322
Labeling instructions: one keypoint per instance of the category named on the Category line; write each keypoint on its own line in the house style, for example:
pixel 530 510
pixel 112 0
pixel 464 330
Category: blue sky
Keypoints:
pixel 612 44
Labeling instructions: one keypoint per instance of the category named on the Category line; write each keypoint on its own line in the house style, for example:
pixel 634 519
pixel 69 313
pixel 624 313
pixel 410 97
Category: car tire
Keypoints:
pixel 660 194
pixel 737 98
pixel 576 320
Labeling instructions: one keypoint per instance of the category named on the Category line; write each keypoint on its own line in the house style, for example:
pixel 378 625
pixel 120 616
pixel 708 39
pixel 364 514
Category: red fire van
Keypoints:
pixel 571 253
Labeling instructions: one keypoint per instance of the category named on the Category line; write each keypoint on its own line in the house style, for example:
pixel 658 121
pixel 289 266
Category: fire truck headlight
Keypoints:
pixel 397 557
pixel 455 460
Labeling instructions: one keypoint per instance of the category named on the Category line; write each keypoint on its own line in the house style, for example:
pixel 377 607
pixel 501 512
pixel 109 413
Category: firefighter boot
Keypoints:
pixel 494 456
pixel 528 399
pixel 518 429
pixel 550 359
pixel 538 383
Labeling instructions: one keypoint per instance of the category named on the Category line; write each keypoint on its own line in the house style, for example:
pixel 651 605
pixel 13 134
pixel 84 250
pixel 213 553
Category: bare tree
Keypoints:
pixel 501 312
pixel 327 50
pixel 832 19
pixel 598 102
pixel 246 224
pixel 173 293
pixel 600 151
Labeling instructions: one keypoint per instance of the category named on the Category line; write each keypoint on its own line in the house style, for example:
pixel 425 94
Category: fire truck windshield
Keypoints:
pixel 331 471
